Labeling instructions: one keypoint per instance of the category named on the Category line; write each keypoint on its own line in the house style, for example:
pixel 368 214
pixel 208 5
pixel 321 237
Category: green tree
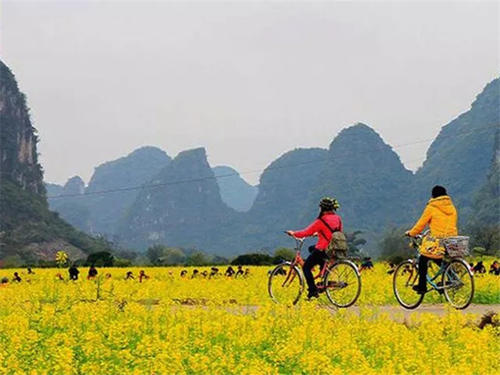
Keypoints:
pixel 101 259
pixel 393 246
pixel 283 253
pixel 197 258
pixel 172 256
pixel 154 253
pixel 253 259
pixel 354 243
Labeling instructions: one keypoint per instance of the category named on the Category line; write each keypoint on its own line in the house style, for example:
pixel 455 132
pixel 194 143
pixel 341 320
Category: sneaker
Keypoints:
pixel 418 290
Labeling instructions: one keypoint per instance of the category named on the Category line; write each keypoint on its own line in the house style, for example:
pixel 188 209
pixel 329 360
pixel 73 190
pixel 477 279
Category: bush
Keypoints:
pixel 394 246
pixel 101 259
pixel 255 259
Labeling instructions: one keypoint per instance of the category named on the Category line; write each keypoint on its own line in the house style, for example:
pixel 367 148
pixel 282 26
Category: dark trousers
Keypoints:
pixel 423 264
pixel 316 257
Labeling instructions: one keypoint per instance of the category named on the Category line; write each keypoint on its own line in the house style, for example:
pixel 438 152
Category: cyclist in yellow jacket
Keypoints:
pixel 441 217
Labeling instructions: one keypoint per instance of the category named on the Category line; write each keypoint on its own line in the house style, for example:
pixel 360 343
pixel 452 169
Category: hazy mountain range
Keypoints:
pixel 147 197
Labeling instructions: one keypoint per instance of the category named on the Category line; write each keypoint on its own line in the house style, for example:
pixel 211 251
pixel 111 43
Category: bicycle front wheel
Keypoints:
pixel 405 277
pixel 458 283
pixel 286 284
pixel 342 283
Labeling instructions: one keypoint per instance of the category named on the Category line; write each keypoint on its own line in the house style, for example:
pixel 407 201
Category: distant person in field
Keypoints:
pixel 195 274
pixel 239 272
pixel 479 267
pixel 214 271
pixel 247 272
pixel 327 222
pixel 30 271
pixel 4 281
pixel 367 264
pixel 59 277
pixel 495 268
pixel 129 276
pixel 143 276
pixel 92 273
pixel 441 216
pixel 16 278
pixel 204 273
pixel 229 272
pixel 184 273
pixel 73 272
pixel 392 268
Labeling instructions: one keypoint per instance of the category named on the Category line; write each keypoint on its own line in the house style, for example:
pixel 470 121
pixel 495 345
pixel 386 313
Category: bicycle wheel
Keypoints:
pixel 286 284
pixel 342 283
pixel 405 277
pixel 458 284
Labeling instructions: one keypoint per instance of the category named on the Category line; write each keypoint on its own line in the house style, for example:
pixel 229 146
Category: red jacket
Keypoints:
pixel 324 234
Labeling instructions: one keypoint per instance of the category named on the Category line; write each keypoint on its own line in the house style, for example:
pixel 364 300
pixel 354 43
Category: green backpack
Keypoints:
pixel 338 243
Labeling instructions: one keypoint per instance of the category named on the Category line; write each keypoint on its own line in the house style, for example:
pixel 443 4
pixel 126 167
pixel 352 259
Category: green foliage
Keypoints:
pixel 253 259
pixel 172 256
pixel 283 253
pixel 26 219
pixel 101 259
pixel 355 244
pixel 394 247
pixel 197 258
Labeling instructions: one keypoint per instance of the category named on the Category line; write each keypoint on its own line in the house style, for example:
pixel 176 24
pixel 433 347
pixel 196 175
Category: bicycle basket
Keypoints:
pixel 457 246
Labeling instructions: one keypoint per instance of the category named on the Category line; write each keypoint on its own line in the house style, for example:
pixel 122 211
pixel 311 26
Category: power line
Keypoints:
pixel 199 179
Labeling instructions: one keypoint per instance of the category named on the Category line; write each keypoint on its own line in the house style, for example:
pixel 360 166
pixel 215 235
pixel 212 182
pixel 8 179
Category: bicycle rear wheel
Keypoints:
pixel 286 284
pixel 405 277
pixel 342 283
pixel 458 284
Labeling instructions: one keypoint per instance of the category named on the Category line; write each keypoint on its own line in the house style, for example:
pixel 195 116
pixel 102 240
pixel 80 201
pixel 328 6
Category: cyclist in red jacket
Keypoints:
pixel 327 221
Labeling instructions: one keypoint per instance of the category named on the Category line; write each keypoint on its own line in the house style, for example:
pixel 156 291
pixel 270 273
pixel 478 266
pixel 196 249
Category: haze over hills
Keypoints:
pixel 373 186
pixel 235 191
pixel 146 198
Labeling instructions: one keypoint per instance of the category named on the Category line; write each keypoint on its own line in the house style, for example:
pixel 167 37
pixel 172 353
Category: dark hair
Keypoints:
pixel 438 191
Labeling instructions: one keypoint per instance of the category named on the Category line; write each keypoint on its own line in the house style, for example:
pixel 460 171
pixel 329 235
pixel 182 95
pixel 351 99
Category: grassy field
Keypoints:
pixel 172 325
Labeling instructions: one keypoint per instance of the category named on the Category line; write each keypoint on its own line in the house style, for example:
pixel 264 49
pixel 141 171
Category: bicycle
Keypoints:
pixel 341 281
pixel 457 280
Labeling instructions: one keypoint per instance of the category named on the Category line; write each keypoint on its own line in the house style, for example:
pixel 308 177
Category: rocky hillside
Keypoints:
pixel 461 155
pixel 28 230
pixel 121 179
pixel 235 191
pixel 184 208
pixel 368 179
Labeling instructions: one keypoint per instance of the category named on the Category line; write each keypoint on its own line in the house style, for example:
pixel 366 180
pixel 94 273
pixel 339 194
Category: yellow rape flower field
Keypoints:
pixel 172 325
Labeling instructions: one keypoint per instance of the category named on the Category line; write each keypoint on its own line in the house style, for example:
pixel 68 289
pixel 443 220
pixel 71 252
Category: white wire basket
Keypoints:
pixel 457 246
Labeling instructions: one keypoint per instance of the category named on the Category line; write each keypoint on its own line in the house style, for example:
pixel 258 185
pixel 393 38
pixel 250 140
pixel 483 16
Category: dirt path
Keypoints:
pixel 400 314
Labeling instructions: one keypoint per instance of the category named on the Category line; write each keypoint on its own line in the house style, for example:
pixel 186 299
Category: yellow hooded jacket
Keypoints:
pixel 441 216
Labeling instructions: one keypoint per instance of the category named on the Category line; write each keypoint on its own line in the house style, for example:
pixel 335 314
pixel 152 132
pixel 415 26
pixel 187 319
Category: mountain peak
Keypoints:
pixel 489 97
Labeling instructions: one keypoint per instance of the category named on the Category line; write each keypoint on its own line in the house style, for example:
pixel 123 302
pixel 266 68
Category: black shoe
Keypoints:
pixel 417 289
pixel 312 295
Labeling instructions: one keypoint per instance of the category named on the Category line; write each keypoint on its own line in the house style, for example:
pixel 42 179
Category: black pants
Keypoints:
pixel 316 257
pixel 423 264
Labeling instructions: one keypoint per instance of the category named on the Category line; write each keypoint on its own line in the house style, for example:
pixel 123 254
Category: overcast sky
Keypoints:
pixel 247 80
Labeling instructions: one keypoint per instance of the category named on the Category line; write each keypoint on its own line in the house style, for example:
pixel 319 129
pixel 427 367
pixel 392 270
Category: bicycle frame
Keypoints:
pixel 298 260
pixel 442 267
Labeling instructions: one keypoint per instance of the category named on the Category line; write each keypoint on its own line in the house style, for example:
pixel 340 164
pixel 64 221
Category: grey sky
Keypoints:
pixel 249 81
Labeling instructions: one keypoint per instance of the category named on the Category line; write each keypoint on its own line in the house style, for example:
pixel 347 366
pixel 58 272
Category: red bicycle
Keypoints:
pixel 340 280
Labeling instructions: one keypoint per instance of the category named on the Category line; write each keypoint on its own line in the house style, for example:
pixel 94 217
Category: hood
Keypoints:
pixel 443 204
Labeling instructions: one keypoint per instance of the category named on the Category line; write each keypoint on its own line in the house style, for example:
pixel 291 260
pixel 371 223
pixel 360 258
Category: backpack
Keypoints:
pixel 338 243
